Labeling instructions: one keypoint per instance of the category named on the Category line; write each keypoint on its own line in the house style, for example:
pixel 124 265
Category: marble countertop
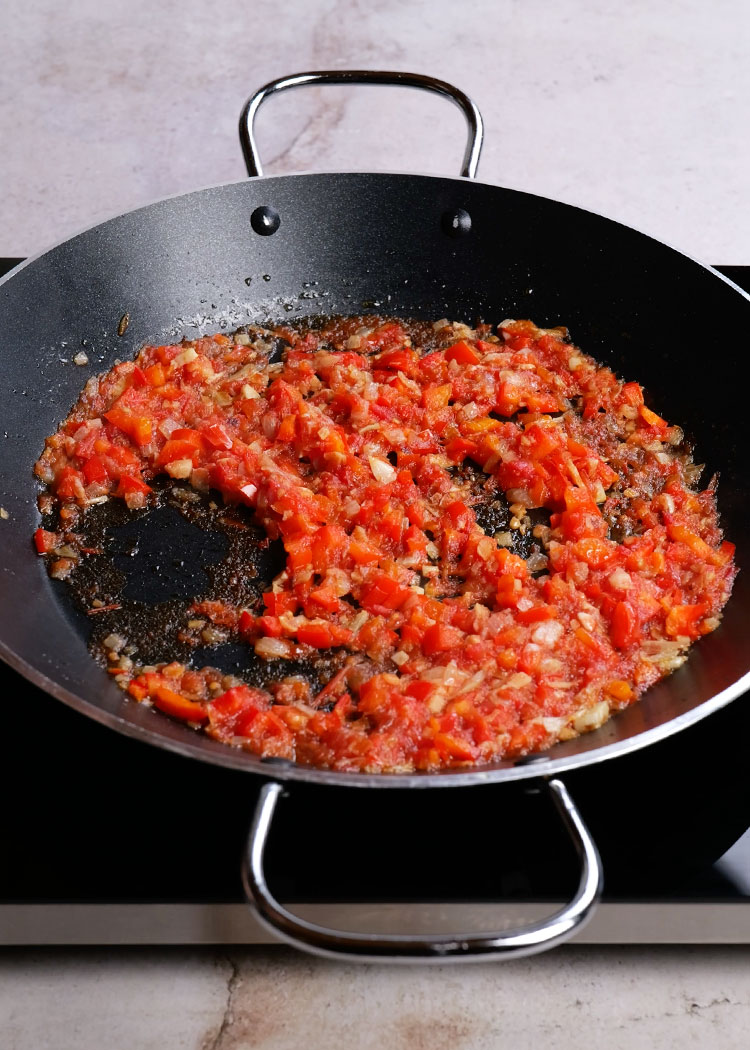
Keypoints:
pixel 637 111
pixel 277 999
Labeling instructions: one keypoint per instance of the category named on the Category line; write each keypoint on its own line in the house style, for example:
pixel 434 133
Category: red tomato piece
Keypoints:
pixel 95 470
pixel 440 638
pixel 46 541
pixel 463 353
pixel 138 428
pixel 624 630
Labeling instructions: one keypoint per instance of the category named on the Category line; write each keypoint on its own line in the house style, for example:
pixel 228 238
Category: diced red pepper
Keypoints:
pixel 269 625
pixel 131 484
pixel 95 470
pixel 624 630
pixel 440 638
pixel 178 706
pixel 323 635
pixel 138 428
pixel 463 353
pixel 419 689
pixel 682 620
pixel 46 541
pixel 383 592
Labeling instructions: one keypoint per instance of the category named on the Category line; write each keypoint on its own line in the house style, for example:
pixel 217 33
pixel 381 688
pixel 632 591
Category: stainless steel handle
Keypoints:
pixel 365 947
pixel 363 76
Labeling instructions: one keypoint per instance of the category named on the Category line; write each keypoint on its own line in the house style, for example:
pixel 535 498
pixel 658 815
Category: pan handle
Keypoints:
pixel 363 76
pixel 366 947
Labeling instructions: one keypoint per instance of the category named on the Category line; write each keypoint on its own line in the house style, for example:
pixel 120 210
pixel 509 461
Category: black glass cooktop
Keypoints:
pixel 90 816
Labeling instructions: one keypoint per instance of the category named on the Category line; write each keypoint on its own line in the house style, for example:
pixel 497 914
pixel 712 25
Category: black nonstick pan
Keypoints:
pixel 409 245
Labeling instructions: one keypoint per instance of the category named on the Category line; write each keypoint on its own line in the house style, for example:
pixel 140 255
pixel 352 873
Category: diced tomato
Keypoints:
pixel 682 620
pixel 95 470
pixel 323 635
pixel 269 625
pixel 180 448
pixel 440 637
pixel 326 598
pixel 460 515
pixel 435 398
pixel 383 593
pixel 419 689
pixel 537 614
pixel 401 360
pixel 459 449
pixel 632 394
pixel 286 429
pixel 131 484
pixel 234 711
pixel 651 418
pixel 138 428
pixel 46 541
pixel 624 630
pixel 155 375
pixel 463 353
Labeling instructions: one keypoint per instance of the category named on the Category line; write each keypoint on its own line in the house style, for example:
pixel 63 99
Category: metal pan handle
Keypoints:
pixel 363 76
pixel 365 947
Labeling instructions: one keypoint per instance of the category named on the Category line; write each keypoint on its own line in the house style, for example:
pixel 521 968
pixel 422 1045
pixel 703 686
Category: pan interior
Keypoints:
pixel 347 244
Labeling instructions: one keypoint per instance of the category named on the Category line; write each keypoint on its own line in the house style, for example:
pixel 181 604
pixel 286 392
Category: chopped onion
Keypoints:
pixel 548 632
pixel 167 426
pixel 184 358
pixel 212 635
pixel 595 716
pixel 485 548
pixel 620 580
pixel 273 648
pixel 382 470
pixel 180 468
pixel 520 496
pixel 359 621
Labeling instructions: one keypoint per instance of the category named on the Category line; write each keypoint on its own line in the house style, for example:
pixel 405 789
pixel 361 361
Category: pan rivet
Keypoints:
pixel 265 221
pixel 456 223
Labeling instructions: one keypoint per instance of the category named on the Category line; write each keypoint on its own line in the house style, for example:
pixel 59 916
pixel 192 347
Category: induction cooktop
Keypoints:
pixel 107 840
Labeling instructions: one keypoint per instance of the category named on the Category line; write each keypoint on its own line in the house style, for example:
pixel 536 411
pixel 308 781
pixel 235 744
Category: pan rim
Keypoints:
pixel 531 767
pixel 257 180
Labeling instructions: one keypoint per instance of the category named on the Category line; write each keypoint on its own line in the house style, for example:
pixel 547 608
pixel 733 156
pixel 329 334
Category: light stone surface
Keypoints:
pixel 637 110
pixel 275 999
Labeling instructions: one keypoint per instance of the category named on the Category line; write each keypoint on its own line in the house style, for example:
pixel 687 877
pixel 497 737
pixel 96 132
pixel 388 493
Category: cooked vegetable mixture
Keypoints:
pixel 376 450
